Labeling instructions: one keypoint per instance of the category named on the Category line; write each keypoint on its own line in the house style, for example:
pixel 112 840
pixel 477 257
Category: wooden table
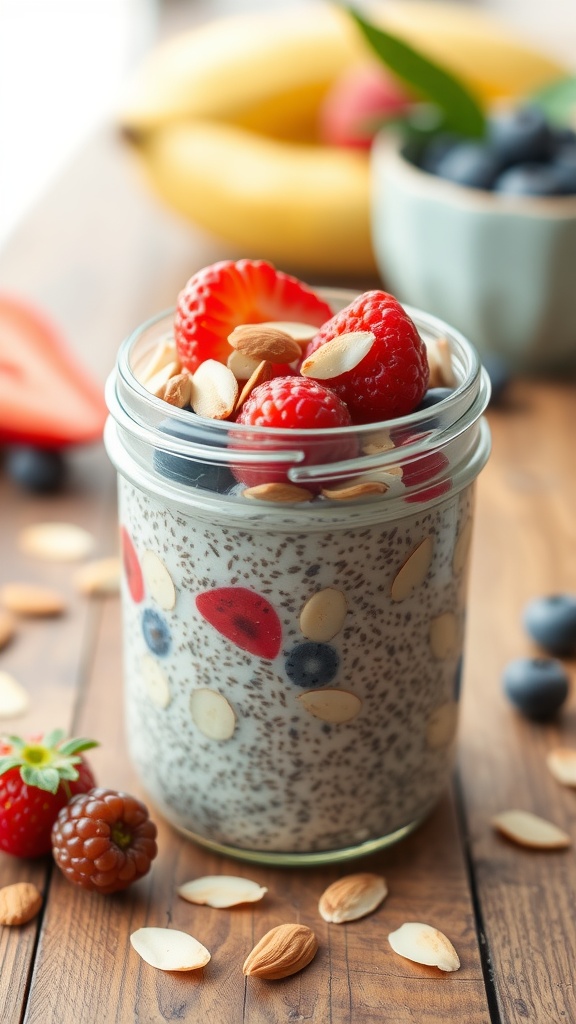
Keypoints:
pixel 100 256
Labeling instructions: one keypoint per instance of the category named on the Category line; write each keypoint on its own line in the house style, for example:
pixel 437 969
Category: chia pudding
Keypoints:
pixel 292 672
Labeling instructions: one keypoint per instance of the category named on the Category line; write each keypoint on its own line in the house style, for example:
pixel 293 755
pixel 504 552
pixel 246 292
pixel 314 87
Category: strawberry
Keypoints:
pixel 46 398
pixel 222 296
pixel 37 778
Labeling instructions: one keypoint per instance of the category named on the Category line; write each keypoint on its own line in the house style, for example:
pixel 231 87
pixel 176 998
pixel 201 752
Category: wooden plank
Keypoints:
pixel 525 546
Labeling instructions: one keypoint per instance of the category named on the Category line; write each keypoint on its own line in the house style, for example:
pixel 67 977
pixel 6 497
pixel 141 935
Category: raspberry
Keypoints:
pixel 392 378
pixel 220 297
pixel 297 404
pixel 104 840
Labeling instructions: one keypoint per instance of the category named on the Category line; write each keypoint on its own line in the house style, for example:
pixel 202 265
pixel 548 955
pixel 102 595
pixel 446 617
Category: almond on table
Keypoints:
pixel 31 599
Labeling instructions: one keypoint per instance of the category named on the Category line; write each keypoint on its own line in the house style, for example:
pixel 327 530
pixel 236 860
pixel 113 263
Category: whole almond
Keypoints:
pixel 19 903
pixel 177 390
pixel 29 599
pixel 283 951
pixel 214 390
pixel 267 343
pixel 339 355
pixel 352 897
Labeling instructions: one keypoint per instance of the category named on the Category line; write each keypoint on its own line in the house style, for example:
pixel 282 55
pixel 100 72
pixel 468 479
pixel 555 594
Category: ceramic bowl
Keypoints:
pixel 500 269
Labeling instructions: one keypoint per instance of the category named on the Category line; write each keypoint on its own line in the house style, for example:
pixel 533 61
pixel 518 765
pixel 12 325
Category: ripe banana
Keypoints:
pixel 224 120
pixel 299 205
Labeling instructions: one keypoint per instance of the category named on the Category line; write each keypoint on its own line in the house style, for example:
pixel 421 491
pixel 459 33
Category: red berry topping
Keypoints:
pixel 132 570
pixel 221 297
pixel 104 840
pixel 243 617
pixel 392 378
pixel 37 778
pixel 298 404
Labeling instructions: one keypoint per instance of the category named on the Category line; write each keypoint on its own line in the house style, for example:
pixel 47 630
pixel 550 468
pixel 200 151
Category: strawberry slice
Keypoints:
pixel 224 295
pixel 46 398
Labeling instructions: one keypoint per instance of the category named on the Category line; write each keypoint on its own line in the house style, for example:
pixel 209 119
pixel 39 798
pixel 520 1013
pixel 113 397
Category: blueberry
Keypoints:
pixel 433 396
pixel 156 632
pixel 500 375
pixel 39 470
pixel 191 472
pixel 311 664
pixel 435 150
pixel 530 180
pixel 536 686
pixel 551 622
pixel 469 163
pixel 520 136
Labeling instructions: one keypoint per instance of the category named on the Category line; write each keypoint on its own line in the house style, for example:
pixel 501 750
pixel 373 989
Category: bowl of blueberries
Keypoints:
pixel 483 234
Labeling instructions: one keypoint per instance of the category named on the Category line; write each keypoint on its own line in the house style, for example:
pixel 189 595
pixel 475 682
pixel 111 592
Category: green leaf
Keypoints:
pixel 52 738
pixel 461 111
pixel 67 771
pixel 558 101
pixel 77 745
pixel 43 778
pixel 8 762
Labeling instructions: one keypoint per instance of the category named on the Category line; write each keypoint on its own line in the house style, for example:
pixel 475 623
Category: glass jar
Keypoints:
pixel 293 668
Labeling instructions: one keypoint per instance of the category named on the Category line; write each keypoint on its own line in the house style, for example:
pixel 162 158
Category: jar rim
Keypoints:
pixel 149 424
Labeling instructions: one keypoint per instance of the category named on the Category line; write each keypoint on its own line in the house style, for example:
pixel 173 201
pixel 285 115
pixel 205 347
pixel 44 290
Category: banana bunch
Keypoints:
pixel 223 119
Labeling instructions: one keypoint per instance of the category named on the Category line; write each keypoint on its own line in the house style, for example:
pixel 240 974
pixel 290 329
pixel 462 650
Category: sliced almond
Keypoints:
pixel 264 343
pixel 462 548
pixel 156 385
pixel 562 765
pixel 414 570
pixel 277 492
pixel 377 443
pixel 528 829
pixel 352 897
pixel 162 355
pixel 283 951
pixel 169 950
pixel 242 366
pixel 177 390
pixel 30 599
pixel 19 903
pixel 331 705
pixel 7 628
pixel 442 725
pixel 444 636
pixel 56 542
pixel 212 714
pixel 14 700
pixel 440 363
pixel 424 945
pixel 155 681
pixel 262 373
pixel 338 356
pixel 100 577
pixel 221 891
pixel 302 333
pixel 214 391
pixel 351 492
pixel 158 580
pixel 323 615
